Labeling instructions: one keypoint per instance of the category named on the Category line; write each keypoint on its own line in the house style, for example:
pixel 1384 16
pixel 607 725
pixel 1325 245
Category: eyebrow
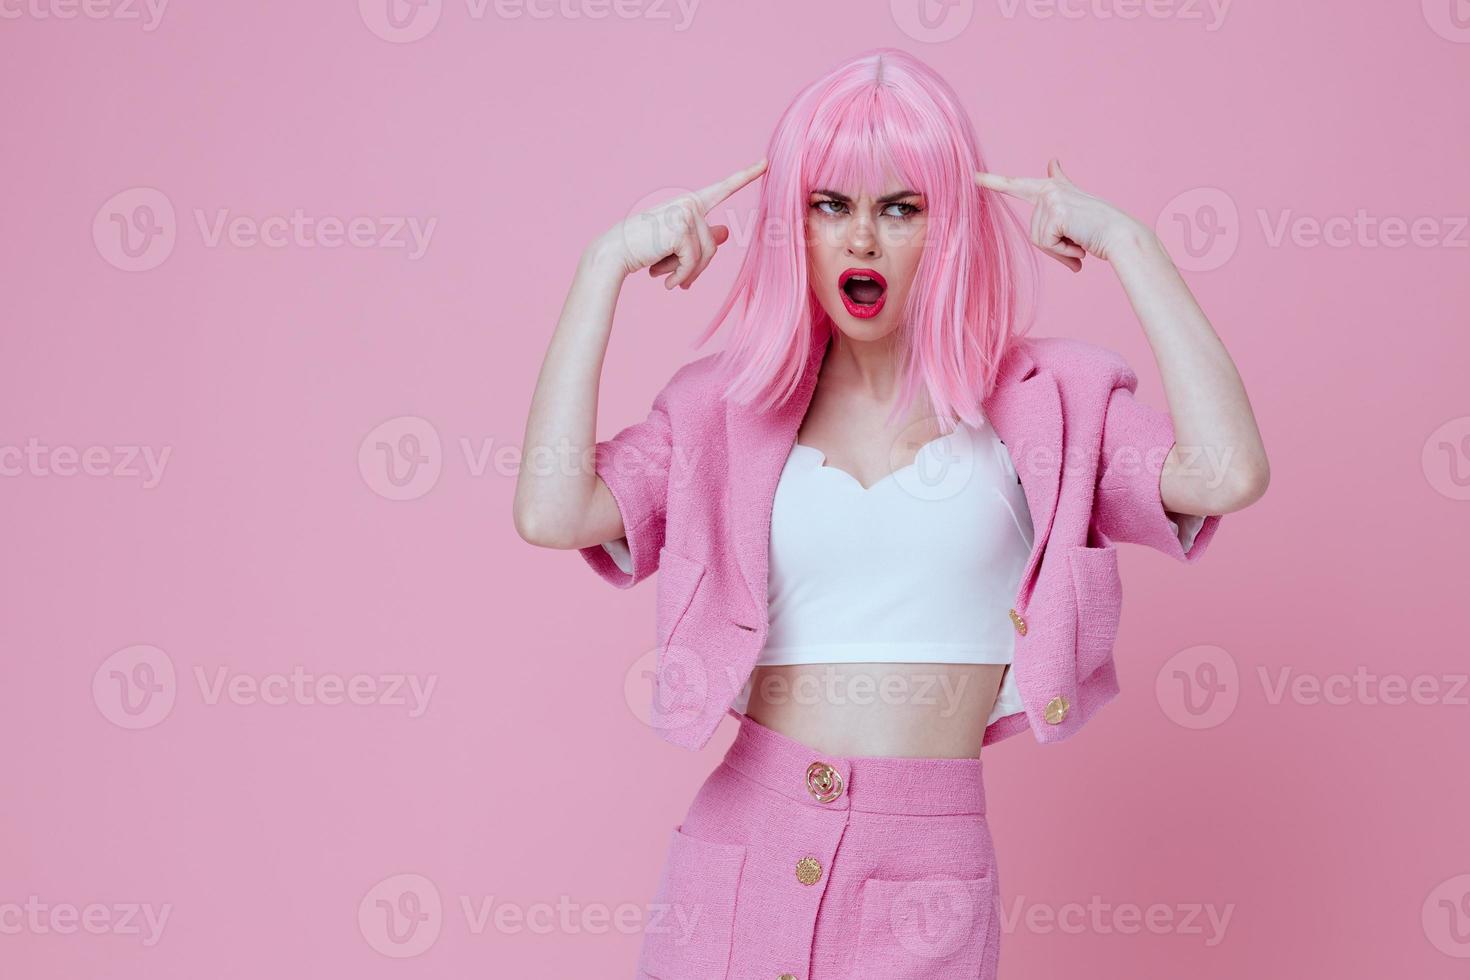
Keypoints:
pixel 887 199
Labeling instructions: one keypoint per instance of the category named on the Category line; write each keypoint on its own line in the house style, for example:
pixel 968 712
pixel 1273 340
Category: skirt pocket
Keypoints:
pixel 926 928
pixel 691 921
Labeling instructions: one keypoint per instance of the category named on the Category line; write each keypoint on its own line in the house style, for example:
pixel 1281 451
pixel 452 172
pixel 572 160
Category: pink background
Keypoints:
pixel 1330 829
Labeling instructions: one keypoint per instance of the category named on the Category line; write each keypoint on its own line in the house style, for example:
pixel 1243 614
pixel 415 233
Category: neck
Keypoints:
pixel 866 368
pixel 866 373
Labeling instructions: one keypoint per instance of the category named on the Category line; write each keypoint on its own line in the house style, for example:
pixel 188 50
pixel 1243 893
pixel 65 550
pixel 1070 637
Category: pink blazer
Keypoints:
pixel 696 479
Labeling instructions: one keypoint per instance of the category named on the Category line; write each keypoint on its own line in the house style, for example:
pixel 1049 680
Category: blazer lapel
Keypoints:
pixel 1024 407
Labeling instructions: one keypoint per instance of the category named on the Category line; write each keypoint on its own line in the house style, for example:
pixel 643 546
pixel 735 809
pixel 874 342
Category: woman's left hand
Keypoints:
pixel 1067 223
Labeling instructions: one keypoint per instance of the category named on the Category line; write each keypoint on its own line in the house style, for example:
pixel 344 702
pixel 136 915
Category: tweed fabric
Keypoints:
pixel 696 479
pixel 907 885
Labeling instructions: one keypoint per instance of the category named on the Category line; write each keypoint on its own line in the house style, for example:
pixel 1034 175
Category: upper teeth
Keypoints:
pixel 861 278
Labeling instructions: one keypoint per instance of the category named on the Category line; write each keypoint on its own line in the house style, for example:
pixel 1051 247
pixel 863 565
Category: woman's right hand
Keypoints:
pixel 673 238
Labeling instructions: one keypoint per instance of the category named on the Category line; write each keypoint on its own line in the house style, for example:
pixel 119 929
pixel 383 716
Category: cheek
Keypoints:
pixel 819 266
pixel 908 264
pixel 825 232
pixel 912 236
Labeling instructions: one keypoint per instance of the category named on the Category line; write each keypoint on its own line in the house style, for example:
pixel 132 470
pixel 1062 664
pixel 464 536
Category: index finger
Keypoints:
pixel 721 189
pixel 1025 188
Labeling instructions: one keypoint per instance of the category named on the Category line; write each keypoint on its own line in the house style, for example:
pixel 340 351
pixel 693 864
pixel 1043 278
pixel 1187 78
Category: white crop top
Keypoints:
pixel 920 567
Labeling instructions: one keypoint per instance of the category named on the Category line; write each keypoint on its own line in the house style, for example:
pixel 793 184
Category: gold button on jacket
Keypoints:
pixel 1056 710
pixel 1020 623
pixel 808 871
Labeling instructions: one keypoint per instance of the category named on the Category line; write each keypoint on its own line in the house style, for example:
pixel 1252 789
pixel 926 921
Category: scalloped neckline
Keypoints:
pixel 822 463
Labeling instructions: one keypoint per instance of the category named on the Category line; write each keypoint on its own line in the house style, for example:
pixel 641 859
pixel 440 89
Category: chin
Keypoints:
pixel 865 330
pixel 860 328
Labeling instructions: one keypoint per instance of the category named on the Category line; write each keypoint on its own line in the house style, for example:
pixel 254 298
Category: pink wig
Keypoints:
pixel 880 114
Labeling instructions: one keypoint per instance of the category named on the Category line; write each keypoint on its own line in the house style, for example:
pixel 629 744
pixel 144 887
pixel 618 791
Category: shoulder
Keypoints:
pixel 1076 362
pixel 692 398
pixel 693 380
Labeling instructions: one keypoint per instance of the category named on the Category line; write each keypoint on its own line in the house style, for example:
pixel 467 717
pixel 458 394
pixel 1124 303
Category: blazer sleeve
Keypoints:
pixel 1129 505
pixel 635 466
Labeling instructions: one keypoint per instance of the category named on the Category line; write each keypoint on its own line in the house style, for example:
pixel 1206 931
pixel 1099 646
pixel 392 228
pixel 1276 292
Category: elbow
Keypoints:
pixel 1219 489
pixel 541 529
pixel 1247 484
pixel 528 527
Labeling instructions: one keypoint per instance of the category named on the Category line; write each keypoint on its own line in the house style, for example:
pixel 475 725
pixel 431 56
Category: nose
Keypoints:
pixel 862 238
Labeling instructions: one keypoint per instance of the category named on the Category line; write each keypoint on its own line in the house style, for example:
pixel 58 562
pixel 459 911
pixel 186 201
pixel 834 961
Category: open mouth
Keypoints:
pixel 863 291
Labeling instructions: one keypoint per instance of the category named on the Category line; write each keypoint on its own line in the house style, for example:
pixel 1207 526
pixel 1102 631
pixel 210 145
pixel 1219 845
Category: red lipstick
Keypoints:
pixel 863 292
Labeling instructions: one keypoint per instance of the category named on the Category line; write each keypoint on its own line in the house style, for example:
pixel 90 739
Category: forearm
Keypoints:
pixel 1219 461
pixel 556 482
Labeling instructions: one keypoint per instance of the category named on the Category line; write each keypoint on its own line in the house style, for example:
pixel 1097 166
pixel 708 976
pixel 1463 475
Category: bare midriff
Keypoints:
pixel 908 710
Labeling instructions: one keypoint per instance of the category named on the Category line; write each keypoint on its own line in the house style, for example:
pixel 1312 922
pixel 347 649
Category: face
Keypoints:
pixel 862 254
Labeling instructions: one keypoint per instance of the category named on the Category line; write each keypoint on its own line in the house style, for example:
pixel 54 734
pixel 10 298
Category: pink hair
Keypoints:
pixel 882 113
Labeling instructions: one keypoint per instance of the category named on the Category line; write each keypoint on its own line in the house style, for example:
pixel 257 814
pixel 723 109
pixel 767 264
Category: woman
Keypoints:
pixel 873 503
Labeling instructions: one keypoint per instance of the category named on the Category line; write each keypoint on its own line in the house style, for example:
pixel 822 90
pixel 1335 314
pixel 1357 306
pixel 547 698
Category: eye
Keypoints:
pixel 912 209
pixel 905 210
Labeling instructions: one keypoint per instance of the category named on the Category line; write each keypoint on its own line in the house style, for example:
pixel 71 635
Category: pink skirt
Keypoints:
pixel 794 865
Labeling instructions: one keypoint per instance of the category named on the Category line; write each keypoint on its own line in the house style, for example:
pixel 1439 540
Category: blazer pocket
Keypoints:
pixel 926 928
pixel 691 921
pixel 1097 591
pixel 678 578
